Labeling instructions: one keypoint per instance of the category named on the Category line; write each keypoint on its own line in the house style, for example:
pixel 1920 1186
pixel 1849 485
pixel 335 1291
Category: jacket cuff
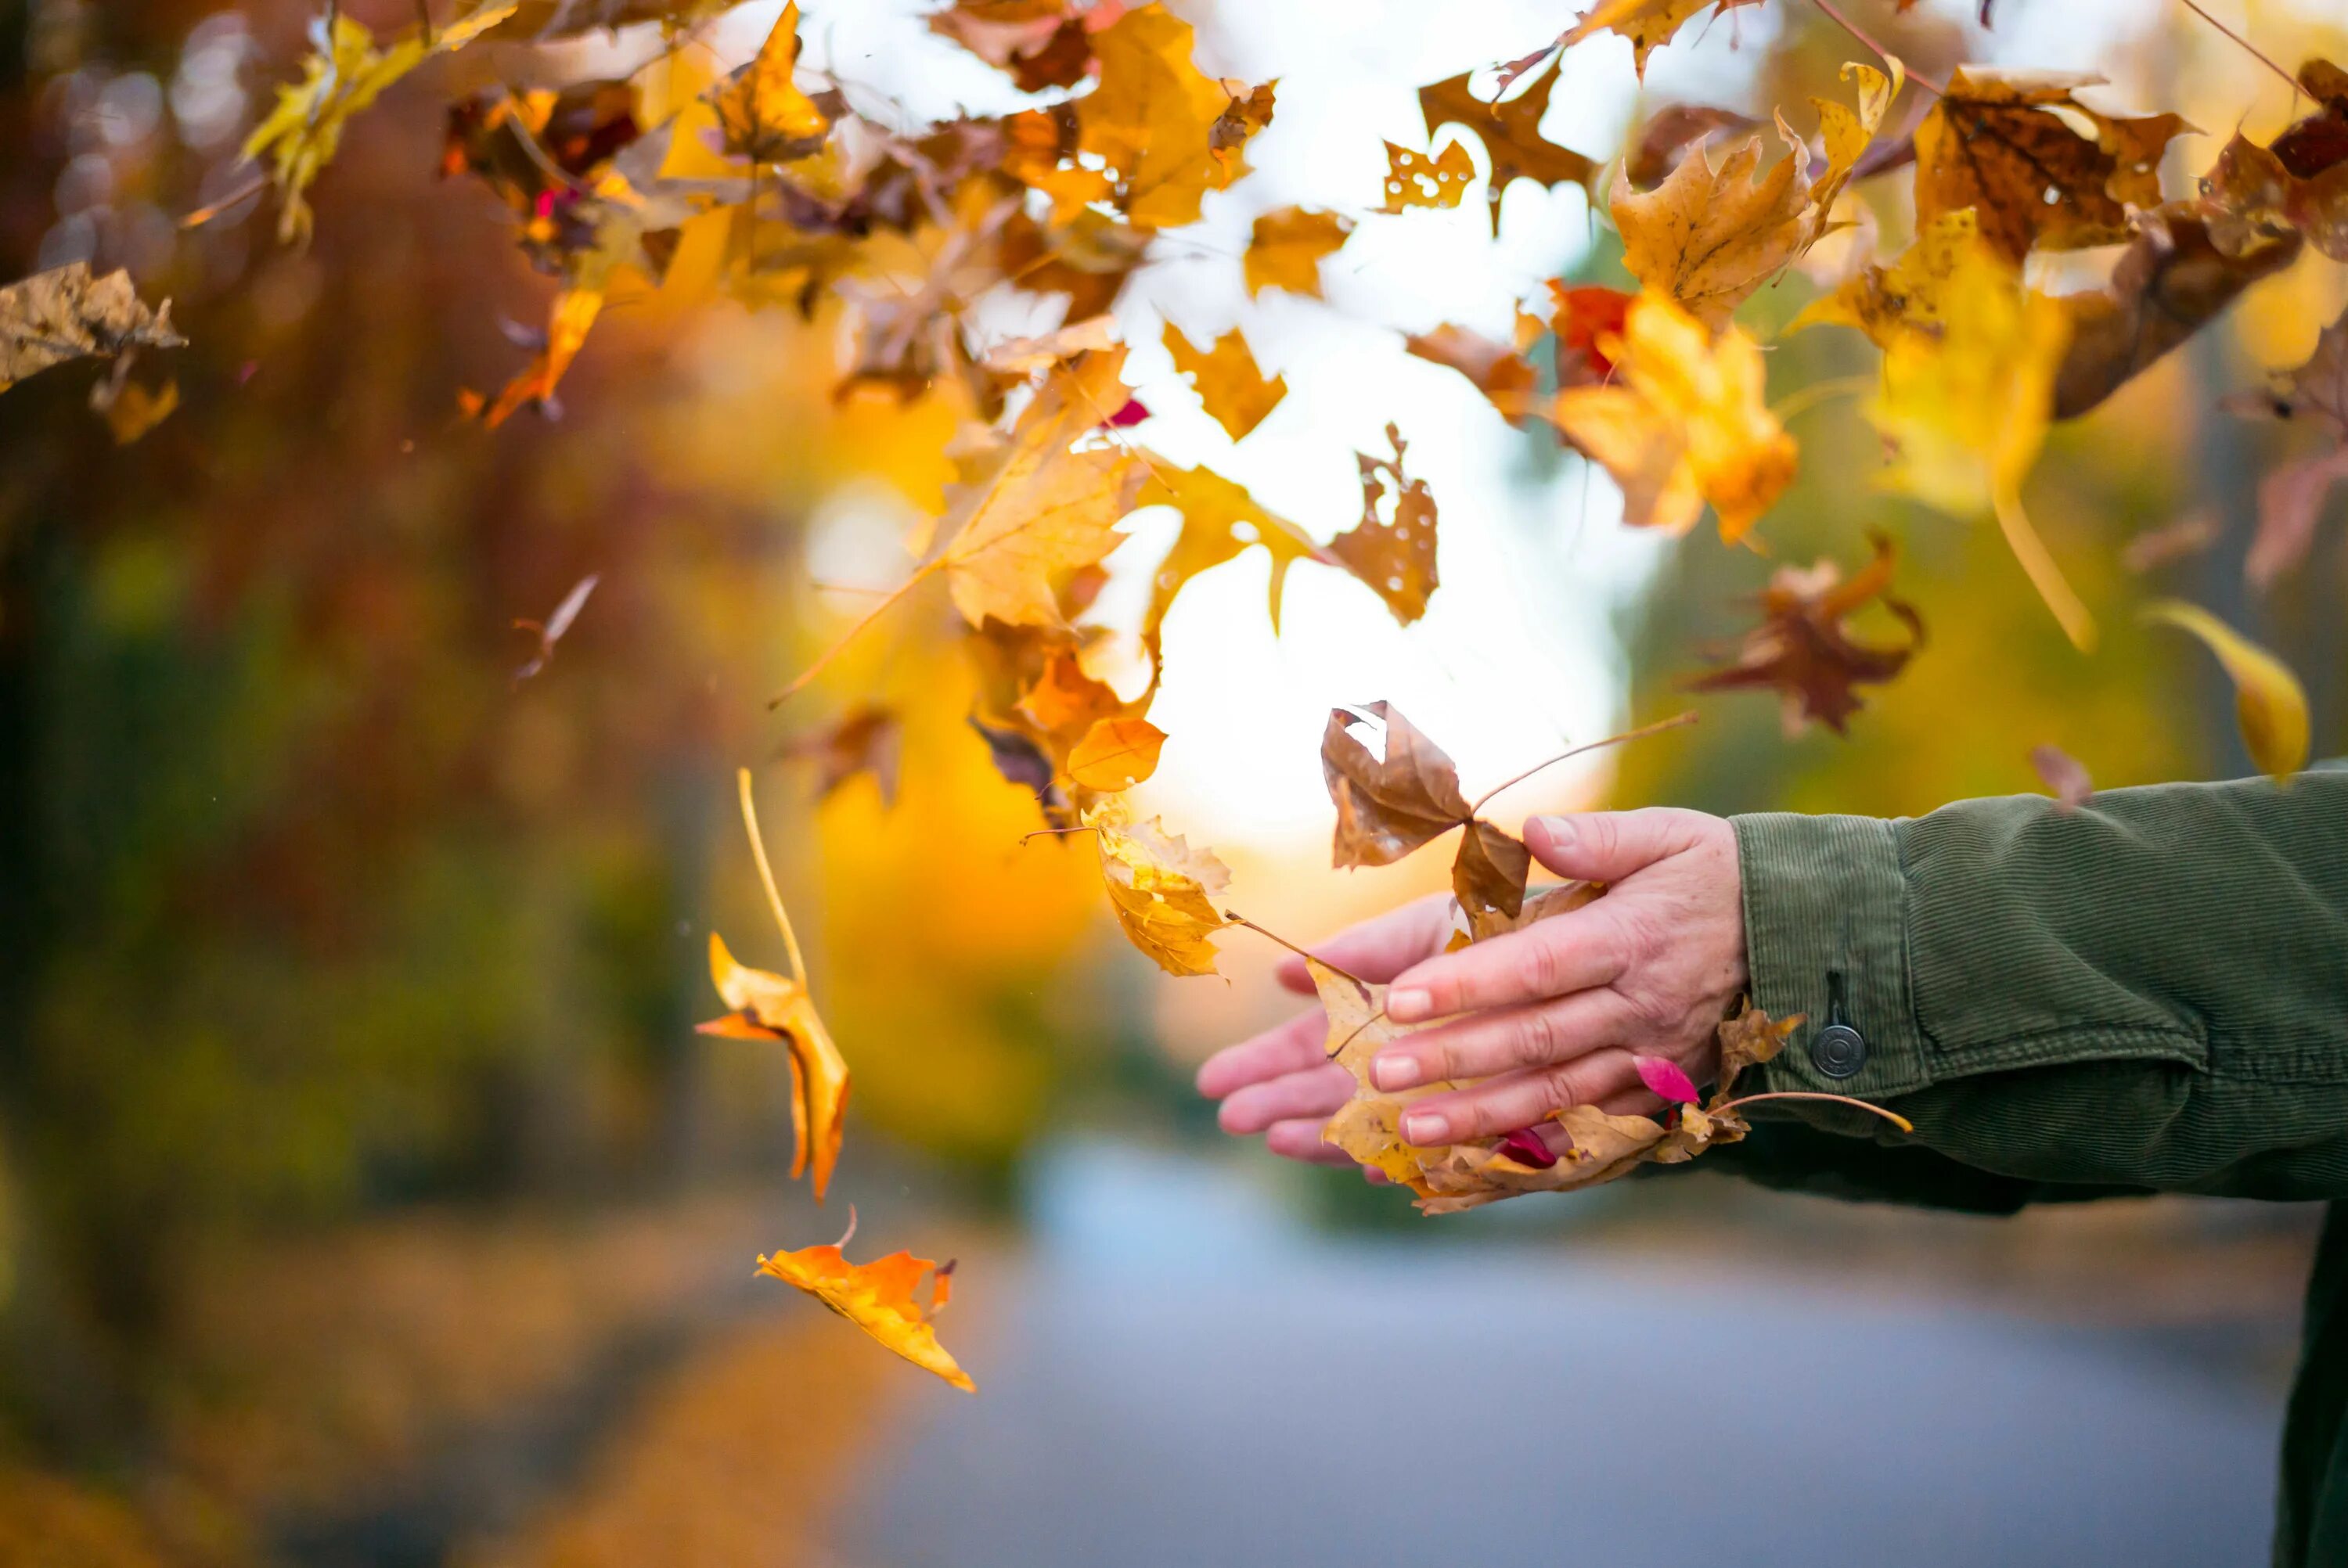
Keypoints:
pixel 1826 936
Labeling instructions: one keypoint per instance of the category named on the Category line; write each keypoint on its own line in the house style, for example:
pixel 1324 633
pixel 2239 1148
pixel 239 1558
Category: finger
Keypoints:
pixel 1316 1092
pixel 1607 846
pixel 1507 1040
pixel 1289 1048
pixel 1299 1139
pixel 1378 949
pixel 1501 1104
pixel 1548 958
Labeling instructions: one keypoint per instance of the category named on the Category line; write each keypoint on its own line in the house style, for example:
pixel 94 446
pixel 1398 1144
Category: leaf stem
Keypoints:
pixel 1892 1116
pixel 1879 52
pixel 767 876
pixel 823 661
pixel 2251 49
pixel 1236 919
pixel 1673 722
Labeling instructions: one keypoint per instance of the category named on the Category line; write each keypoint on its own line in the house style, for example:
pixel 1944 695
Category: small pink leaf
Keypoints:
pixel 1525 1147
pixel 1666 1079
pixel 1133 412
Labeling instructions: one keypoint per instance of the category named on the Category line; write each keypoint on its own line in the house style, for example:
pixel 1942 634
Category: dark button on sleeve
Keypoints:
pixel 1838 1051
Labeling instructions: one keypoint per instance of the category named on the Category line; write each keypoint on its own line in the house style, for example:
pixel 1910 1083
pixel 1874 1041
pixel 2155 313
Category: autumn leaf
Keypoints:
pixel 1747 1039
pixel 1648 24
pixel 1220 521
pixel 2064 776
pixel 67 313
pixel 1231 386
pixel 1387 805
pixel 130 407
pixel 1499 371
pixel 1488 875
pixel 2173 541
pixel 1510 131
pixel 2010 145
pixel 1039 42
pixel 1803 646
pixel 1580 315
pixel 761 114
pixel 878 1298
pixel 1286 248
pixel 569 317
pixel 1368 1126
pixel 1425 180
pixel 1249 111
pixel 2290 498
pixel 1164 892
pixel 1047 351
pixel 1395 556
pixel 555 627
pixel 2270 705
pixel 344 74
pixel 1547 904
pixel 1911 293
pixel 1673 133
pixel 867 739
pixel 1153 119
pixel 1683 423
pixel 2298 183
pixel 1116 754
pixel 1666 1081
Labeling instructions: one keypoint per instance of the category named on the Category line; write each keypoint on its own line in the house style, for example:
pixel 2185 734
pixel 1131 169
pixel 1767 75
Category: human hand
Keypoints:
pixel 1550 1016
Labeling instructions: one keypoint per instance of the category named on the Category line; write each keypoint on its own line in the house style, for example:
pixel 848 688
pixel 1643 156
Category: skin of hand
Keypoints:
pixel 1545 1018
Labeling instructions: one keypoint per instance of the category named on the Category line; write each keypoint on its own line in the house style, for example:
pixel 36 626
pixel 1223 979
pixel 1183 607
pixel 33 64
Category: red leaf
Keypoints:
pixel 1525 1147
pixel 1666 1079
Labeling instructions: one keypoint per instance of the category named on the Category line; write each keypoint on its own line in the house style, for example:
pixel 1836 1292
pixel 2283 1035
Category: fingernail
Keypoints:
pixel 1425 1127
pixel 1391 1073
pixel 1557 830
pixel 1410 1004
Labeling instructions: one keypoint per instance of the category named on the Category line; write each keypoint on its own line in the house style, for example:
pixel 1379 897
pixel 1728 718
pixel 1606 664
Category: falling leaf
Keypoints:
pixel 1249 111
pixel 878 1298
pixel 1673 133
pixel 1234 391
pixel 1510 131
pixel 2155 548
pixel 1648 24
pixel 1683 423
pixel 1020 761
pixel 569 320
pixel 1116 754
pixel 2064 776
pixel 1152 119
pixel 2297 183
pixel 1488 875
pixel 1285 249
pixel 2290 498
pixel 1423 179
pixel 768 1006
pixel 551 632
pixel 1389 806
pixel 1039 42
pixel 1804 647
pixel 1665 1080
pixel 1220 520
pixel 1499 371
pixel 2169 282
pixel 130 407
pixel 2270 706
pixel 344 72
pixel 1026 355
pixel 1911 293
pixel 65 313
pixel 1395 557
pixel 2008 144
pixel 867 739
pixel 1580 315
pixel 1037 508
pixel 761 114
pixel 1163 891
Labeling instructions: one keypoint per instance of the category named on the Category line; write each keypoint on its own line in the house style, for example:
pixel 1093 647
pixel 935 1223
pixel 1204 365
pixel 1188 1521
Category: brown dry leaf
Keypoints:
pixel 1395 557
pixel 569 319
pixel 1249 112
pixel 2009 145
pixel 1747 1039
pixel 2292 497
pixel 1803 648
pixel 1488 875
pixel 2299 181
pixel 1389 806
pixel 1116 754
pixel 1230 384
pixel 1164 892
pixel 867 739
pixel 1684 422
pixel 1648 24
pixel 1673 132
pixel 2155 548
pixel 1038 42
pixel 1154 119
pixel 1285 249
pixel 1220 520
pixel 878 1298
pixel 66 313
pixel 768 1006
pixel 1510 131
pixel 1368 1126
pixel 1026 355
pixel 2064 776
pixel 1501 372
pixel 131 409
pixel 2171 282
pixel 1037 509
pixel 1424 180
pixel 761 114
pixel 1562 899
pixel 2270 705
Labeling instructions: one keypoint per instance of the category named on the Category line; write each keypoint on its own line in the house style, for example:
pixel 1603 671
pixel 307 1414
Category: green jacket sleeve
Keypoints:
pixel 2148 993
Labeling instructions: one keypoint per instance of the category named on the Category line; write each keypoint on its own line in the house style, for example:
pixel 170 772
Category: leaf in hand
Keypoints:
pixel 66 313
pixel 1748 1040
pixel 867 739
pixel 878 1298
pixel 2008 144
pixel 1562 899
pixel 1804 647
pixel 1510 131
pixel 1163 891
pixel 768 1006
pixel 1665 1080
pixel 1396 558
pixel 1230 384
pixel 1427 180
pixel 2269 703
pixel 1285 249
pixel 1488 875
pixel 1389 806
pixel 1369 1125
pixel 1683 423
pixel 761 114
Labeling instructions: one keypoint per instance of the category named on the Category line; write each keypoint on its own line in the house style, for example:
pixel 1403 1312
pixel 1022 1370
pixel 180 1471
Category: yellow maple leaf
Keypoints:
pixel 1163 891
pixel 1648 24
pixel 1369 1126
pixel 1683 424
pixel 1220 520
pixel 344 72
pixel 1157 121
pixel 1910 292
pixel 1117 753
pixel 1285 249
pixel 761 114
pixel 1230 384
pixel 878 1298
pixel 1423 179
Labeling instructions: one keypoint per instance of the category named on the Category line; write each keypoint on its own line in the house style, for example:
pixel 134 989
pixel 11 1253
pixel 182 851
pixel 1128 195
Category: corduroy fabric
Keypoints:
pixel 2147 994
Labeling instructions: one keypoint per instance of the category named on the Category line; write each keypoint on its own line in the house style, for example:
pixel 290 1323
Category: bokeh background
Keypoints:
pixel 365 1197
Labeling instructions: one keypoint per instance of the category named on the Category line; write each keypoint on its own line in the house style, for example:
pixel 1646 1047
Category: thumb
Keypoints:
pixel 1606 845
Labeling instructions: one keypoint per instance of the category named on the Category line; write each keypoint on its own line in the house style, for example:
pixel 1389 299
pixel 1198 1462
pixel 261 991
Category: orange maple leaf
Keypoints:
pixel 878 1298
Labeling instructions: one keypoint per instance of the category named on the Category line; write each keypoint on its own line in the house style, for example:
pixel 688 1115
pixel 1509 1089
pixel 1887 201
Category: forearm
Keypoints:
pixel 2150 992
